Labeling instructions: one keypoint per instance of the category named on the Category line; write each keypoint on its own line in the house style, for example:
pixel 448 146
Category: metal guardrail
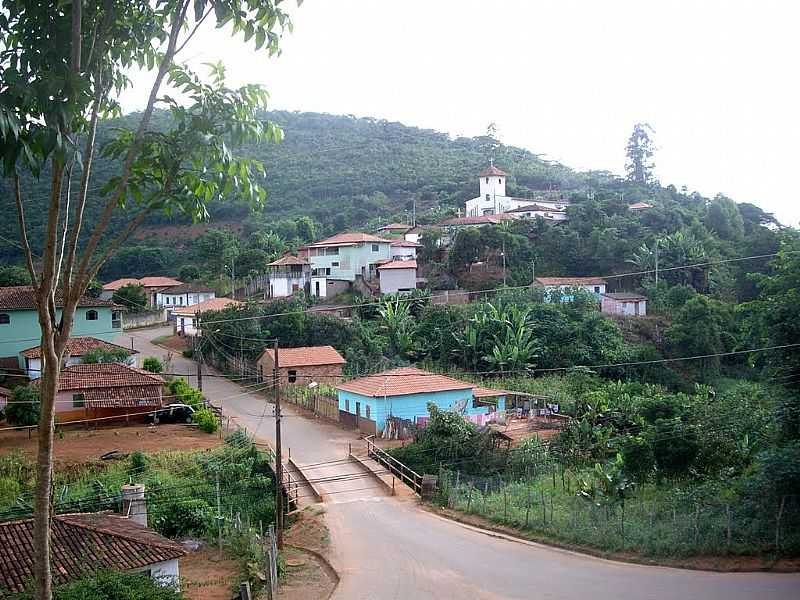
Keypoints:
pixel 407 475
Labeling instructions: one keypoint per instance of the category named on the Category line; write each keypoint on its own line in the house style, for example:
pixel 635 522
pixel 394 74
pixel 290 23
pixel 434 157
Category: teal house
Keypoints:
pixel 19 322
pixel 404 393
pixel 340 261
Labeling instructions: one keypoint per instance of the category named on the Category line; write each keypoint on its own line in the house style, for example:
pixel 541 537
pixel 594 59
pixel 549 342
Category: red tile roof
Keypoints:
pixel 188 288
pixel 306 356
pixel 147 282
pixel 535 208
pixel 349 239
pixel 208 305
pixel 399 264
pixel 482 392
pixel 287 260
pixel 571 280
pixel 639 206
pixel 111 385
pixel 492 171
pixel 78 346
pixel 405 244
pixel 82 544
pixel 21 297
pixel 479 220
pixel 402 381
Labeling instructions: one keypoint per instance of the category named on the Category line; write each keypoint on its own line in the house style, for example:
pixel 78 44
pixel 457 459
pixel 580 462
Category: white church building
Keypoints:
pixel 494 201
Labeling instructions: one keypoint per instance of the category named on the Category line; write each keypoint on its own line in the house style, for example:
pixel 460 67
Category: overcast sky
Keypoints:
pixel 717 80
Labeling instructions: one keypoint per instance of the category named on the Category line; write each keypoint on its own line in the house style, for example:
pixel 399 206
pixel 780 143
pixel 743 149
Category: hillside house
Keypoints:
pixel 415 233
pixel 76 348
pixel 302 366
pixel 345 260
pixel 450 227
pixel 493 200
pixel 562 286
pixel 404 250
pixel 151 285
pixel 367 402
pixel 187 317
pixel 397 276
pixel 84 543
pixel 288 275
pixel 19 321
pixel 106 390
pixel 623 303
pixel 394 229
pixel 184 294
pixel 531 211
pixel 636 206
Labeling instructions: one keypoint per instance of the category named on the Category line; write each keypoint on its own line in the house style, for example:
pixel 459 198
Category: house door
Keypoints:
pixel 316 289
pixel 636 308
pixel 358 414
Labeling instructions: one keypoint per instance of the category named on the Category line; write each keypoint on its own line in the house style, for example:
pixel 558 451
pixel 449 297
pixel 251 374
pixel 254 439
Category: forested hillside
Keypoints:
pixel 347 173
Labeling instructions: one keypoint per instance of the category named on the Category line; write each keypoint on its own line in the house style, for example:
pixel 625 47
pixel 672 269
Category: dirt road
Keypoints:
pixel 386 548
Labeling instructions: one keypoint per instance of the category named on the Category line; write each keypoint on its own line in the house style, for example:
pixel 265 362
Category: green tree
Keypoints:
pixel 640 151
pixel 13 275
pixel 52 97
pixel 23 408
pixel 723 217
pixel 189 273
pixel 131 296
pixel 216 248
pixel 101 355
pixel 306 229
pixel 152 364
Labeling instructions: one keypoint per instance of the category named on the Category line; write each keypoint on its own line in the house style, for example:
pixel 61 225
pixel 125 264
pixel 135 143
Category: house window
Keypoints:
pixel 368 411
pixel 332 251
pixel 181 300
pixel 499 180
pixel 116 320
pixel 487 180
pixel 78 401
pixel 91 315
pixel 292 376
pixel 374 247
pixel 5 319
pixel 347 404
pixel 334 264
pixel 597 289
pixel 488 198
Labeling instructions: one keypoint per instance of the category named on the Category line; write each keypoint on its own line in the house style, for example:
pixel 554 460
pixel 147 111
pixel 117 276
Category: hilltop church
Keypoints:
pixel 493 200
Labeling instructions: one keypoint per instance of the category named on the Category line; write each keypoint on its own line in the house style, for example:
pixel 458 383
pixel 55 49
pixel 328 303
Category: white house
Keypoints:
pixel 74 352
pixel 534 210
pixel 287 275
pixel 397 276
pixel 595 285
pixel 623 303
pixel 493 199
pixel 184 294
pixel 186 316
pixel 344 260
pixel 404 250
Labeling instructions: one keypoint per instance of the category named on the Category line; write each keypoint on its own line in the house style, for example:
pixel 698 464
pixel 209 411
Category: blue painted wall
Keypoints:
pixel 409 406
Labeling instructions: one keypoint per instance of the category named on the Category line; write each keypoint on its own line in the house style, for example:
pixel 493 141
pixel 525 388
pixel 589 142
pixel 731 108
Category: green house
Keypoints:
pixel 19 322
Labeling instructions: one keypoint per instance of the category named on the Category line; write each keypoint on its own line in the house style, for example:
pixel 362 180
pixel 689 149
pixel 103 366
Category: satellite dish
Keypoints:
pixel 460 407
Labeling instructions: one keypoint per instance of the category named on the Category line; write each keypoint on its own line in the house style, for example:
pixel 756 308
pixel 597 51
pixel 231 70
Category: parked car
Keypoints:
pixel 172 413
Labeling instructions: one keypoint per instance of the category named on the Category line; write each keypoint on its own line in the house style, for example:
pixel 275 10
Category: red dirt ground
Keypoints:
pixel 203 577
pixel 80 445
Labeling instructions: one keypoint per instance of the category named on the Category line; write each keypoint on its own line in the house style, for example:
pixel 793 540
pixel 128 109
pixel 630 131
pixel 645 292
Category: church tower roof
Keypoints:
pixel 492 171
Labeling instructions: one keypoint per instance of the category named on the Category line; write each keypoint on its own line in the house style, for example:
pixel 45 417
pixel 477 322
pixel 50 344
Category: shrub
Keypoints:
pixel 138 463
pixel 206 420
pixel 23 409
pixel 179 517
pixel 101 355
pixel 186 394
pixel 111 585
pixel 152 364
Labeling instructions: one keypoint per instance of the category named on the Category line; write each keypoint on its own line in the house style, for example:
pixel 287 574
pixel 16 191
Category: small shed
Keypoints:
pixel 624 303
pixel 302 366
pixel 398 276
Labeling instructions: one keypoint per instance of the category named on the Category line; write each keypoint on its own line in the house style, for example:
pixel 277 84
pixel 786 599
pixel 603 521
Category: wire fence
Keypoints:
pixel 655 526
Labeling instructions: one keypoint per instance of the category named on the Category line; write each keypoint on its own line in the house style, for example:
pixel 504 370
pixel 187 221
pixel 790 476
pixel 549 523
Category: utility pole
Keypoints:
pixel 414 213
pixel 656 262
pixel 278 458
pixel 504 263
pixel 533 273
pixel 219 517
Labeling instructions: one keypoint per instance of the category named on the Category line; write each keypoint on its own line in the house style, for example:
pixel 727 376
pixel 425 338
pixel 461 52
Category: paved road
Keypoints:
pixel 385 548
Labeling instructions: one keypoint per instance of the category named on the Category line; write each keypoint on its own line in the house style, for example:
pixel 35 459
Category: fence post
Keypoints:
pixel 505 501
pixel 544 508
pixel 469 498
pixel 485 493
pixel 244 590
pixel 696 524
pixel 781 506
pixel 728 527
pixel 528 507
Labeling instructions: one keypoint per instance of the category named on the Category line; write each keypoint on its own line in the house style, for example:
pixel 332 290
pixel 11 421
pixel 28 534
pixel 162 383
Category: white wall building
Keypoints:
pixel 404 250
pixel 398 276
pixel 186 318
pixel 185 294
pixel 623 303
pixel 595 285
pixel 493 199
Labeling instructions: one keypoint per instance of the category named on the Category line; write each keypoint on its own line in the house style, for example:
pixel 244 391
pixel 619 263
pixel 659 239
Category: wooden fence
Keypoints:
pixel 319 403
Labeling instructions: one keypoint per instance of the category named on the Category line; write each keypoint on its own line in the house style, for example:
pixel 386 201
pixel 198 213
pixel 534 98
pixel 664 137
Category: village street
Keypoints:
pixel 384 547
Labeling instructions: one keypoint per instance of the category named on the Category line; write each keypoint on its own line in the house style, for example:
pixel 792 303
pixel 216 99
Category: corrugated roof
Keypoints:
pixel 78 346
pixel 492 171
pixel 399 264
pixel 405 244
pixel 571 280
pixel 208 305
pixel 402 381
pixel 479 220
pixel 82 544
pixel 625 296
pixel 306 356
pixel 21 297
pixel 344 239
pixel 287 260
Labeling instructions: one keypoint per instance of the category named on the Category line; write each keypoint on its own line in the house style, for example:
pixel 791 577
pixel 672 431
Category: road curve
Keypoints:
pixel 385 548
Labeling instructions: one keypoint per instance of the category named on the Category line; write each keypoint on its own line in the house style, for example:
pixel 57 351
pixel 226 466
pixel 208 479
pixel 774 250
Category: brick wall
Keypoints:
pixel 327 374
